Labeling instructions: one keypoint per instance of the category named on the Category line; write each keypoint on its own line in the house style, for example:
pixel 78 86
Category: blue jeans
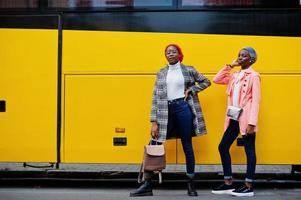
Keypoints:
pixel 180 121
pixel 249 143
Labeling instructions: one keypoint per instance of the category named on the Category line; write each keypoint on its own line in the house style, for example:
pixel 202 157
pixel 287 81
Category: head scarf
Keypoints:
pixel 181 56
pixel 252 53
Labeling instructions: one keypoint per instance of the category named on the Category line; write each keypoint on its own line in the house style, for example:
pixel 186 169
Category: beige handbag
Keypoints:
pixel 153 160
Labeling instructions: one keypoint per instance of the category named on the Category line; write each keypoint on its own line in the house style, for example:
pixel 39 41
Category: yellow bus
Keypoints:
pixel 76 76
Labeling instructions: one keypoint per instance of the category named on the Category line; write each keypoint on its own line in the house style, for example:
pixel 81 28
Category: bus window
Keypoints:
pixel 243 3
pixel 106 3
pixel 9 4
pixel 216 2
pixel 89 3
pixel 153 3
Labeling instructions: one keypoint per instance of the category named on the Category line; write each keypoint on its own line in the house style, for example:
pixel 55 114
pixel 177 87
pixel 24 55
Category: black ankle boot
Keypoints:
pixel 146 189
pixel 190 188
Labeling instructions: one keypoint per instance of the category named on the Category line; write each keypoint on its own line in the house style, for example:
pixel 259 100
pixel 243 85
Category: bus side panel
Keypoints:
pixel 277 141
pixel 28 85
pixel 102 109
pixel 130 52
pixel 134 53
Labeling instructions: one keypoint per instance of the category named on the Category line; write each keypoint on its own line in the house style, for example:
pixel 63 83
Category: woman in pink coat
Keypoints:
pixel 243 91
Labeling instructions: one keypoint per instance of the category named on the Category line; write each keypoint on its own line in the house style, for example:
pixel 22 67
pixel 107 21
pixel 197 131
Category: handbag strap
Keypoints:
pixel 156 142
pixel 160 177
pixel 141 174
pixel 141 177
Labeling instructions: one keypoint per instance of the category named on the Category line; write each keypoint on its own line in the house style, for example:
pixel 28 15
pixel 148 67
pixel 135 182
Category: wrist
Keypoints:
pixel 188 90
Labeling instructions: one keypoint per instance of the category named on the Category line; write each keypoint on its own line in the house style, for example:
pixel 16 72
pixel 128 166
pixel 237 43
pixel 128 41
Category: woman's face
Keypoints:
pixel 172 55
pixel 244 58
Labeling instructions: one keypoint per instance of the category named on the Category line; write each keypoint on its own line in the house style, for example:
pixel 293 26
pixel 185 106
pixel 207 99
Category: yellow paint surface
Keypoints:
pixel 28 84
pixel 277 141
pixel 130 52
pixel 98 104
pixel 107 83
pixel 109 78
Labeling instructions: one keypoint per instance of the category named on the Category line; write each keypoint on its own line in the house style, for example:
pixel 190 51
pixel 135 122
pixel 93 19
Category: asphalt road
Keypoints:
pixel 105 193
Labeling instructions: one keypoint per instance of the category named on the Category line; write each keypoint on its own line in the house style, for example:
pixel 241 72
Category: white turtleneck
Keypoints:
pixel 175 82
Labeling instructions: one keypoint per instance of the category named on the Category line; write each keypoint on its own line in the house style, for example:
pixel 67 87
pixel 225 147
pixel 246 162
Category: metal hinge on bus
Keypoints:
pixel 51 165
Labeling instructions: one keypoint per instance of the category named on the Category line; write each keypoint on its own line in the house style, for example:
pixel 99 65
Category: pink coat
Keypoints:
pixel 249 95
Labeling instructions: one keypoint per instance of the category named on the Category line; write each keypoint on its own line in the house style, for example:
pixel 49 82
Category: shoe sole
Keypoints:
pixel 223 191
pixel 142 194
pixel 249 194
pixel 192 194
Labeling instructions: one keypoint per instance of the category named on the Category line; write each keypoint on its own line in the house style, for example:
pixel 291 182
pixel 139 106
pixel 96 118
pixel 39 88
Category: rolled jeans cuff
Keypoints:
pixel 227 177
pixel 249 180
pixel 191 176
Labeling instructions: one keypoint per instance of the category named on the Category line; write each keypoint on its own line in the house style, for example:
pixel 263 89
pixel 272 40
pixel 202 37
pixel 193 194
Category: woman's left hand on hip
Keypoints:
pixel 187 92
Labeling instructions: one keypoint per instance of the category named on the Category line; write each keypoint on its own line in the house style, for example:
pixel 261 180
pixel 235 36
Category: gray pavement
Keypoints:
pixel 116 193
pixel 286 169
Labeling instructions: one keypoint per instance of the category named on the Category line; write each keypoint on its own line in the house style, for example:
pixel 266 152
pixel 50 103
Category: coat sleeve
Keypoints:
pixel 153 117
pixel 223 76
pixel 202 82
pixel 253 119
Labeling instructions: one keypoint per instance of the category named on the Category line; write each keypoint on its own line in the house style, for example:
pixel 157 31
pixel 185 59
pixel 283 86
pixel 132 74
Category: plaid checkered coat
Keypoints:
pixel 194 81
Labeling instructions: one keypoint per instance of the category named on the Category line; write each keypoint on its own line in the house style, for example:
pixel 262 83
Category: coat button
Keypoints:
pixel 244 91
pixel 245 80
pixel 244 84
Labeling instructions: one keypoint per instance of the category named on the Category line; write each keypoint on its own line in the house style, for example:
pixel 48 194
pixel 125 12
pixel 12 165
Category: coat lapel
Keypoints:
pixel 185 75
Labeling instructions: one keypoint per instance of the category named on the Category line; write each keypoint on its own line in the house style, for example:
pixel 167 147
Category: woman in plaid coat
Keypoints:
pixel 176 111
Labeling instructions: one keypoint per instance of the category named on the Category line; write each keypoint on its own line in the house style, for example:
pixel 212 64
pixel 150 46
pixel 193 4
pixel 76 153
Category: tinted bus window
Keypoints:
pixel 217 2
pixel 106 3
pixel 88 3
pixel 153 3
pixel 18 4
pixel 243 3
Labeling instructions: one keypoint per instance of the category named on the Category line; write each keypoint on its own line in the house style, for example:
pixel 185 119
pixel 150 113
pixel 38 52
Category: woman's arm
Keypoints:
pixel 223 76
pixel 155 127
pixel 253 118
pixel 153 117
pixel 202 82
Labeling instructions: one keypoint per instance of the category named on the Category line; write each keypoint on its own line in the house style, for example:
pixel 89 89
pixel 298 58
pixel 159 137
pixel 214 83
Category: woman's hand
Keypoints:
pixel 234 63
pixel 250 129
pixel 155 130
pixel 187 94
